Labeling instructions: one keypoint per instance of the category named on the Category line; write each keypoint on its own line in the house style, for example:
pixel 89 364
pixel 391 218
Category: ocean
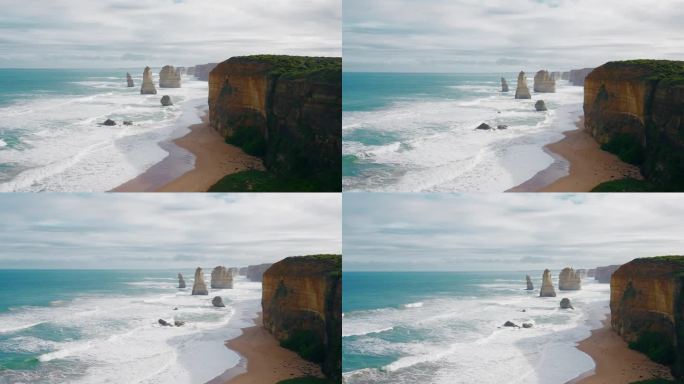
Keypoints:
pixel 416 131
pixel 100 326
pixel 446 327
pixel 50 133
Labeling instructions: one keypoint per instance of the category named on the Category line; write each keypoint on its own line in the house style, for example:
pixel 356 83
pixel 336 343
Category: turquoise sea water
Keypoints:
pixel 445 327
pixel 97 326
pixel 415 131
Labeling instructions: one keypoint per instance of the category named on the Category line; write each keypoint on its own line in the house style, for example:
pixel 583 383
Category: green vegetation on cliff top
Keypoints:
pixel 322 68
pixel 666 70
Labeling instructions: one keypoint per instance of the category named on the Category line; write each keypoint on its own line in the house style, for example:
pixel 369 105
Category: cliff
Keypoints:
pixel 256 272
pixel 569 280
pixel 285 109
pixel 544 83
pixel 521 90
pixel 634 109
pixel 147 87
pixel 201 71
pixel 547 285
pixel 603 274
pixel 577 76
pixel 647 308
pixel 169 77
pixel 221 278
pixel 199 287
pixel 302 307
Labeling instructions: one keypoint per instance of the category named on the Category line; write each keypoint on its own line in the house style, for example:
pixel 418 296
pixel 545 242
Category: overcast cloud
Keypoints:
pixel 164 230
pixel 131 33
pixel 507 35
pixel 388 232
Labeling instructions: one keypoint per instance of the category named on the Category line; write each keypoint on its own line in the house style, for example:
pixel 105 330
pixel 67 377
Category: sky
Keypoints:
pixel 507 35
pixel 509 232
pixel 160 231
pixel 135 33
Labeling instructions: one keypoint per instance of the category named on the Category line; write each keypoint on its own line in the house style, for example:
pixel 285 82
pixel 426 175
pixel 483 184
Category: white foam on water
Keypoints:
pixel 64 147
pixel 438 149
pixel 462 340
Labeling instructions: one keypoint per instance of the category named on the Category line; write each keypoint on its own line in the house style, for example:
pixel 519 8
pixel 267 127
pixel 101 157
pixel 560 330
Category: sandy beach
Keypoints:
pixel 615 362
pixel 588 166
pixel 214 159
pixel 264 360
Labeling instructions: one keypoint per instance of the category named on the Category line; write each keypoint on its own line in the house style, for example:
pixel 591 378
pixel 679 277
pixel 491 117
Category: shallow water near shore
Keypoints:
pixel 51 138
pixel 447 328
pixel 101 326
pixel 415 132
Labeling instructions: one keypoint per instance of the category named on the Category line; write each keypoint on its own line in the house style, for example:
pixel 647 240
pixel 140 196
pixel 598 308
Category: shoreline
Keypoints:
pixel 579 165
pixel 263 360
pixel 614 361
pixel 195 162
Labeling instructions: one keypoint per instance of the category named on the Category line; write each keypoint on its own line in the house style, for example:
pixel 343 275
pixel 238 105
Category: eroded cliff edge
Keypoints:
pixel 635 109
pixel 647 309
pixel 302 308
pixel 285 109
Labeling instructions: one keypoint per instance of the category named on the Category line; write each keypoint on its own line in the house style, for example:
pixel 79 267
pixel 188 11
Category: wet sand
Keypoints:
pixel 579 166
pixel 264 361
pixel 213 159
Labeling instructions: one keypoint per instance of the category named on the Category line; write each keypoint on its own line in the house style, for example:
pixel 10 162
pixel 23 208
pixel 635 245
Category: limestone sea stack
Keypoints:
pixel 301 300
pixel 569 280
pixel 166 100
pixel 530 286
pixel 129 80
pixel 504 85
pixel 199 287
pixel 291 109
pixel 543 82
pixel 521 91
pixel 169 77
pixel 646 306
pixel 221 278
pixel 181 281
pixel 147 83
pixel 634 109
pixel 217 301
pixel 540 106
pixel 547 285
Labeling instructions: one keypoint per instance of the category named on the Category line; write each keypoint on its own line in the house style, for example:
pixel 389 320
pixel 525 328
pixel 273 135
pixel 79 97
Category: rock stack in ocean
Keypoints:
pixel 181 281
pixel 504 85
pixel 646 307
pixel 540 106
pixel 129 80
pixel 591 272
pixel 217 301
pixel 301 300
pixel 521 90
pixel 147 87
pixel 530 286
pixel 566 304
pixel 169 77
pixel 543 82
pixel 190 71
pixel 569 280
pixel 256 272
pixel 233 271
pixel 547 285
pixel 555 76
pixel 166 100
pixel 603 274
pixel 577 76
pixel 565 75
pixel 221 278
pixel 199 287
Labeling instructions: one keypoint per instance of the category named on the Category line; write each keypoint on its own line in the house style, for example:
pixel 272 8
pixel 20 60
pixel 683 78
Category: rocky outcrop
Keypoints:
pixel 530 286
pixel 221 278
pixel 582 273
pixel 547 285
pixel 646 304
pixel 540 106
pixel 147 87
pixel 109 122
pixel 202 71
pixel 169 77
pixel 569 280
pixel 591 272
pixel 199 287
pixel 565 76
pixel 302 300
pixel 504 85
pixel 484 127
pixel 544 83
pixel 256 272
pixel 603 274
pixel 565 303
pixel 634 109
pixel 129 80
pixel 286 110
pixel 181 281
pixel 166 100
pixel 217 301
pixel 577 76
pixel 190 71
pixel 555 76
pixel 521 91
pixel 233 271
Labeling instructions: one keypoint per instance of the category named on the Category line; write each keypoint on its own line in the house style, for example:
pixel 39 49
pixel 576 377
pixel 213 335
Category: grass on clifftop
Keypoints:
pixel 306 380
pixel 666 70
pixel 263 181
pixel 324 68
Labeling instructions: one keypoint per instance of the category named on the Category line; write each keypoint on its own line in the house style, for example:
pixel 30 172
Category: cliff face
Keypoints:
pixel 577 76
pixel 301 300
pixel 221 278
pixel 569 280
pixel 256 272
pixel 201 71
pixel 646 299
pixel 636 108
pixel 603 274
pixel 287 110
pixel 544 83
